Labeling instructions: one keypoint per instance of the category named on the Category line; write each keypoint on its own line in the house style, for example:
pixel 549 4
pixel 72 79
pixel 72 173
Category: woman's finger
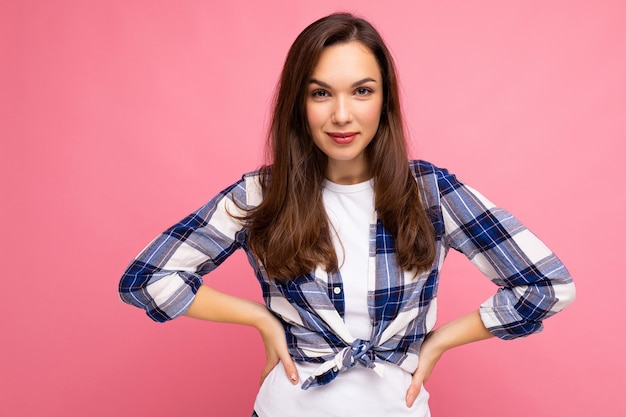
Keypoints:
pixel 266 372
pixel 414 389
pixel 290 368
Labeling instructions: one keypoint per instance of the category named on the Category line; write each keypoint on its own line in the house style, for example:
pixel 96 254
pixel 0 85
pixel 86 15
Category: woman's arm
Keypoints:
pixel 533 283
pixel 213 305
pixel 466 329
pixel 166 277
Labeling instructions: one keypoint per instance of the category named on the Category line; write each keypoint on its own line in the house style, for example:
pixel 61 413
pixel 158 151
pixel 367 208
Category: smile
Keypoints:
pixel 342 138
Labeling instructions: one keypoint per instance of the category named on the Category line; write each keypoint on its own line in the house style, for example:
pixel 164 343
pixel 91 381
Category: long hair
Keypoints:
pixel 289 231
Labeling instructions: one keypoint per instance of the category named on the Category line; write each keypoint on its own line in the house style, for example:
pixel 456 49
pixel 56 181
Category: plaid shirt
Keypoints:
pixel 533 283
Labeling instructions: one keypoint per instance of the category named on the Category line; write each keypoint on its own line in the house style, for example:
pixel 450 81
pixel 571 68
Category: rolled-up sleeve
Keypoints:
pixel 534 283
pixel 164 278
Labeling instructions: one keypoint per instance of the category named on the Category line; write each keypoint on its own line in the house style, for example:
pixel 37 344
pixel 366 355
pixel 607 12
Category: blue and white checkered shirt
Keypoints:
pixel 533 283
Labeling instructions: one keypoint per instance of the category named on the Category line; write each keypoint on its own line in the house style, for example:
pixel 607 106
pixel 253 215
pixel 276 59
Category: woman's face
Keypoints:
pixel 343 107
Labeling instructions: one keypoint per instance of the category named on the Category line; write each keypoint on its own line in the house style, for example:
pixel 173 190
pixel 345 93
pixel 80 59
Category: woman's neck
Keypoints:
pixel 348 172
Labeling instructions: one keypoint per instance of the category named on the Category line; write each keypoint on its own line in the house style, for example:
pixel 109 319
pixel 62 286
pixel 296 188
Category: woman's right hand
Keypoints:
pixel 212 305
pixel 275 342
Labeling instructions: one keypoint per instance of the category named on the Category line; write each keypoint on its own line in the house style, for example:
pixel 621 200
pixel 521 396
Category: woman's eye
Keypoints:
pixel 362 91
pixel 319 94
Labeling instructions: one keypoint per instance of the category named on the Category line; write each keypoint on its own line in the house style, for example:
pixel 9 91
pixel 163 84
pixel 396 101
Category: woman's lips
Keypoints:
pixel 342 138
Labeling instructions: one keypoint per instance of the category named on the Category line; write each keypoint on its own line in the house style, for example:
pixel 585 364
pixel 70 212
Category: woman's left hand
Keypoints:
pixel 466 329
pixel 428 357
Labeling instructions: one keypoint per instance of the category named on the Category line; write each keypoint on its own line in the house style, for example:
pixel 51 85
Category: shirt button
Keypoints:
pixel 337 290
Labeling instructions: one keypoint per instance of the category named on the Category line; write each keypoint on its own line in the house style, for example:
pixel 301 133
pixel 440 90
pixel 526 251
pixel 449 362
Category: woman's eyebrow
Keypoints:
pixel 318 82
pixel 363 81
pixel 357 83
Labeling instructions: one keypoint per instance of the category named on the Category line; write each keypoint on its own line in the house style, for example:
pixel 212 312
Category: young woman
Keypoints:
pixel 347 240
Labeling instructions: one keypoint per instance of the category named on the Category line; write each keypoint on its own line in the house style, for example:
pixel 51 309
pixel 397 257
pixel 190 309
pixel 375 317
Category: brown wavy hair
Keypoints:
pixel 289 231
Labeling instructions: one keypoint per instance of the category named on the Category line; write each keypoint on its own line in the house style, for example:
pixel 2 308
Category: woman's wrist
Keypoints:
pixel 466 329
pixel 264 319
pixel 435 342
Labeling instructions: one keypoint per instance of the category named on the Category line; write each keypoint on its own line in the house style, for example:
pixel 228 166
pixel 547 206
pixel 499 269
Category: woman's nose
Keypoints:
pixel 341 113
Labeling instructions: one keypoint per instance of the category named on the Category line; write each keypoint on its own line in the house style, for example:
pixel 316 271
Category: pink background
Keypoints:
pixel 117 118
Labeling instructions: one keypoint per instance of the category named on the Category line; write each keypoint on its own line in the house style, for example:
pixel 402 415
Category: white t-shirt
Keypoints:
pixel 358 391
